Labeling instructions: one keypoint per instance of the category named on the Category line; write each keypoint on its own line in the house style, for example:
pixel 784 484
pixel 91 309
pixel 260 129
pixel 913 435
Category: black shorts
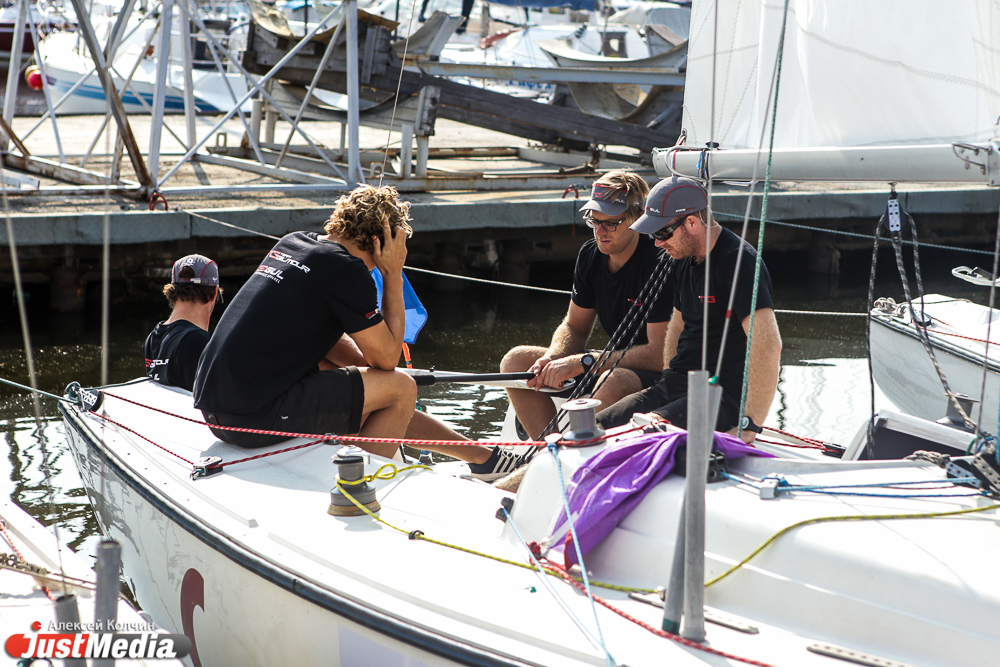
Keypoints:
pixel 647 378
pixel 668 398
pixel 320 402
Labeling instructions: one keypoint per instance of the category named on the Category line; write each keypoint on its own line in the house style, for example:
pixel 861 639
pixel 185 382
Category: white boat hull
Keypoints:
pixel 249 564
pixel 905 372
pixel 67 62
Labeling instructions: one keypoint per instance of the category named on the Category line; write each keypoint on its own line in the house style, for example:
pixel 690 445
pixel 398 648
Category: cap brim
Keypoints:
pixel 607 208
pixel 647 224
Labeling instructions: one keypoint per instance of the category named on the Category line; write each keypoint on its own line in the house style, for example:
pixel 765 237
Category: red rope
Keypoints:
pixel 352 438
pixel 784 443
pixel 280 451
pixel 797 437
pixel 221 465
pixel 120 425
pixel 656 631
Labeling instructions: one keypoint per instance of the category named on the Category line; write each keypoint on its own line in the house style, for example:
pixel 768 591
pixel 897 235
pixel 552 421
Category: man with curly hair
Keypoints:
pixel 173 348
pixel 304 346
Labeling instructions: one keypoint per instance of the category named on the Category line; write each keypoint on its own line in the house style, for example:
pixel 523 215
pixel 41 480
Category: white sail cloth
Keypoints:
pixel 854 72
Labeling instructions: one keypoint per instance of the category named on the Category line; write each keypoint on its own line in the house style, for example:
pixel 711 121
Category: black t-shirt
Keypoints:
pixel 172 352
pixel 689 290
pixel 612 294
pixel 303 297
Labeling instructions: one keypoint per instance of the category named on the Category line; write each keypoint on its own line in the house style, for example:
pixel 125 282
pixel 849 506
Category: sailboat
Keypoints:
pixel 312 551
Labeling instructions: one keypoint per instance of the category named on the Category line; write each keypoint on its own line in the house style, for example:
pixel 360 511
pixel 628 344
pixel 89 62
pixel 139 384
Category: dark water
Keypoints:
pixel 823 392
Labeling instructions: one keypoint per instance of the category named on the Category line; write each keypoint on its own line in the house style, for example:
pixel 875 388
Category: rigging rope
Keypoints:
pixel 867 237
pixel 989 326
pixel 760 236
pixel 30 362
pixel 549 568
pixel 636 316
pixel 828 519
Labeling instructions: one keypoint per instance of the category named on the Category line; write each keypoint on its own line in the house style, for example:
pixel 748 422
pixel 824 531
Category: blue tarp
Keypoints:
pixel 589 5
pixel 416 314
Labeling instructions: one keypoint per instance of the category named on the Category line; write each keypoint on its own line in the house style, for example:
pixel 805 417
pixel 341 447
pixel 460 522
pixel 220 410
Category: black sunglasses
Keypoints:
pixel 606 225
pixel 668 231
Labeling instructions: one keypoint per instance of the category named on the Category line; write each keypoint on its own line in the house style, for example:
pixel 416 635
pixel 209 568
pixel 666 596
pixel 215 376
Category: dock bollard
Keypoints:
pixel 351 468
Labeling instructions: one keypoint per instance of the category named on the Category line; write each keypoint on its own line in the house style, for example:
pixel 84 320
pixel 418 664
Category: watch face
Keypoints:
pixel 587 359
pixel 744 422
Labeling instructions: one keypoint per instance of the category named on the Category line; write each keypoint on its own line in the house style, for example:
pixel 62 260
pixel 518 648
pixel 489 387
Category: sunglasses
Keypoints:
pixel 606 225
pixel 668 231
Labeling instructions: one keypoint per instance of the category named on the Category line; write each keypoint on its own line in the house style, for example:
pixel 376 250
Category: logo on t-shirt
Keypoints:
pixel 637 302
pixel 372 314
pixel 287 259
pixel 701 297
pixel 270 272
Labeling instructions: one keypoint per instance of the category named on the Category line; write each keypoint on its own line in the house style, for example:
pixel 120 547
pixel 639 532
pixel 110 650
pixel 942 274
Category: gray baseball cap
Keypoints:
pixel 608 200
pixel 206 271
pixel 668 199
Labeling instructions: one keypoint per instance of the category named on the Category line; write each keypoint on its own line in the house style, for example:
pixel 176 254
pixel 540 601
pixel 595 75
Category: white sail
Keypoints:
pixel 869 91
pixel 854 72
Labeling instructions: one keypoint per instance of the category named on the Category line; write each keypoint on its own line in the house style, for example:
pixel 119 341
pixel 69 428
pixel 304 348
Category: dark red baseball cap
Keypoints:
pixel 668 199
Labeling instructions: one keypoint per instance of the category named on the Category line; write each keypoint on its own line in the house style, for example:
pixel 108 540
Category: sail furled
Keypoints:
pixel 854 72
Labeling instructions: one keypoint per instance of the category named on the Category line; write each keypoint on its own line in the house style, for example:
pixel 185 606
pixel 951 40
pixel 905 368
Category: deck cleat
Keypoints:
pixel 207 466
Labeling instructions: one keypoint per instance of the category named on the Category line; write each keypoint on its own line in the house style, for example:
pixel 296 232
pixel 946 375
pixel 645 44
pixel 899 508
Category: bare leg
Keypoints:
pixel 425 427
pixel 534 409
pixel 620 384
pixel 390 397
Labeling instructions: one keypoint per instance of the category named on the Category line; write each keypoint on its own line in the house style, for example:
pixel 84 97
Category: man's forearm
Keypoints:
pixel 394 313
pixel 566 340
pixel 765 367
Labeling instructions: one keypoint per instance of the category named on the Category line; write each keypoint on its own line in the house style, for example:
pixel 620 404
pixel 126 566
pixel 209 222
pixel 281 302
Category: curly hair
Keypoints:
pixel 188 291
pixel 634 185
pixel 359 214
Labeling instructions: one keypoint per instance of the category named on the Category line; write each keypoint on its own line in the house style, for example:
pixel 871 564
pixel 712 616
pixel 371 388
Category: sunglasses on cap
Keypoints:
pixel 606 225
pixel 668 231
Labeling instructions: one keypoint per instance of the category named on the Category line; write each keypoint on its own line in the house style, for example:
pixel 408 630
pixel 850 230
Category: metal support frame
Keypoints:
pixel 189 108
pixel 14 69
pixel 312 87
pixel 354 174
pixel 160 91
pixel 45 87
pixel 406 150
pixel 258 86
pixel 111 94
pixel 642 76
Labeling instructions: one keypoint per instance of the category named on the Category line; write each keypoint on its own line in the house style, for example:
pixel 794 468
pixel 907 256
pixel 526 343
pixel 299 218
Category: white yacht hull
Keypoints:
pixel 906 374
pixel 251 566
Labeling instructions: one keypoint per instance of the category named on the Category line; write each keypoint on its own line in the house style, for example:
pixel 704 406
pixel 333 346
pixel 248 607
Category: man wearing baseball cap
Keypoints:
pixel 611 271
pixel 678 220
pixel 173 348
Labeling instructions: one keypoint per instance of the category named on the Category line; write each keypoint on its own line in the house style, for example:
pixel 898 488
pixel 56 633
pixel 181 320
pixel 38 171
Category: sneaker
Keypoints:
pixel 501 463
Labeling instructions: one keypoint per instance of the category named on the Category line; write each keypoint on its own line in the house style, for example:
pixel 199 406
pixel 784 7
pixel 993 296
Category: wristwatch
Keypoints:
pixel 587 360
pixel 746 424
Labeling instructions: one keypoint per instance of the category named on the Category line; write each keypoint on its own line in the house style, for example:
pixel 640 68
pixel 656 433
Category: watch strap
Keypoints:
pixel 747 424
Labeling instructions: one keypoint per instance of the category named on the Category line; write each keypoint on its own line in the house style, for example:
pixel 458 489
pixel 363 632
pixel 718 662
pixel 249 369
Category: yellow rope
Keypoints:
pixel 825 519
pixel 419 535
